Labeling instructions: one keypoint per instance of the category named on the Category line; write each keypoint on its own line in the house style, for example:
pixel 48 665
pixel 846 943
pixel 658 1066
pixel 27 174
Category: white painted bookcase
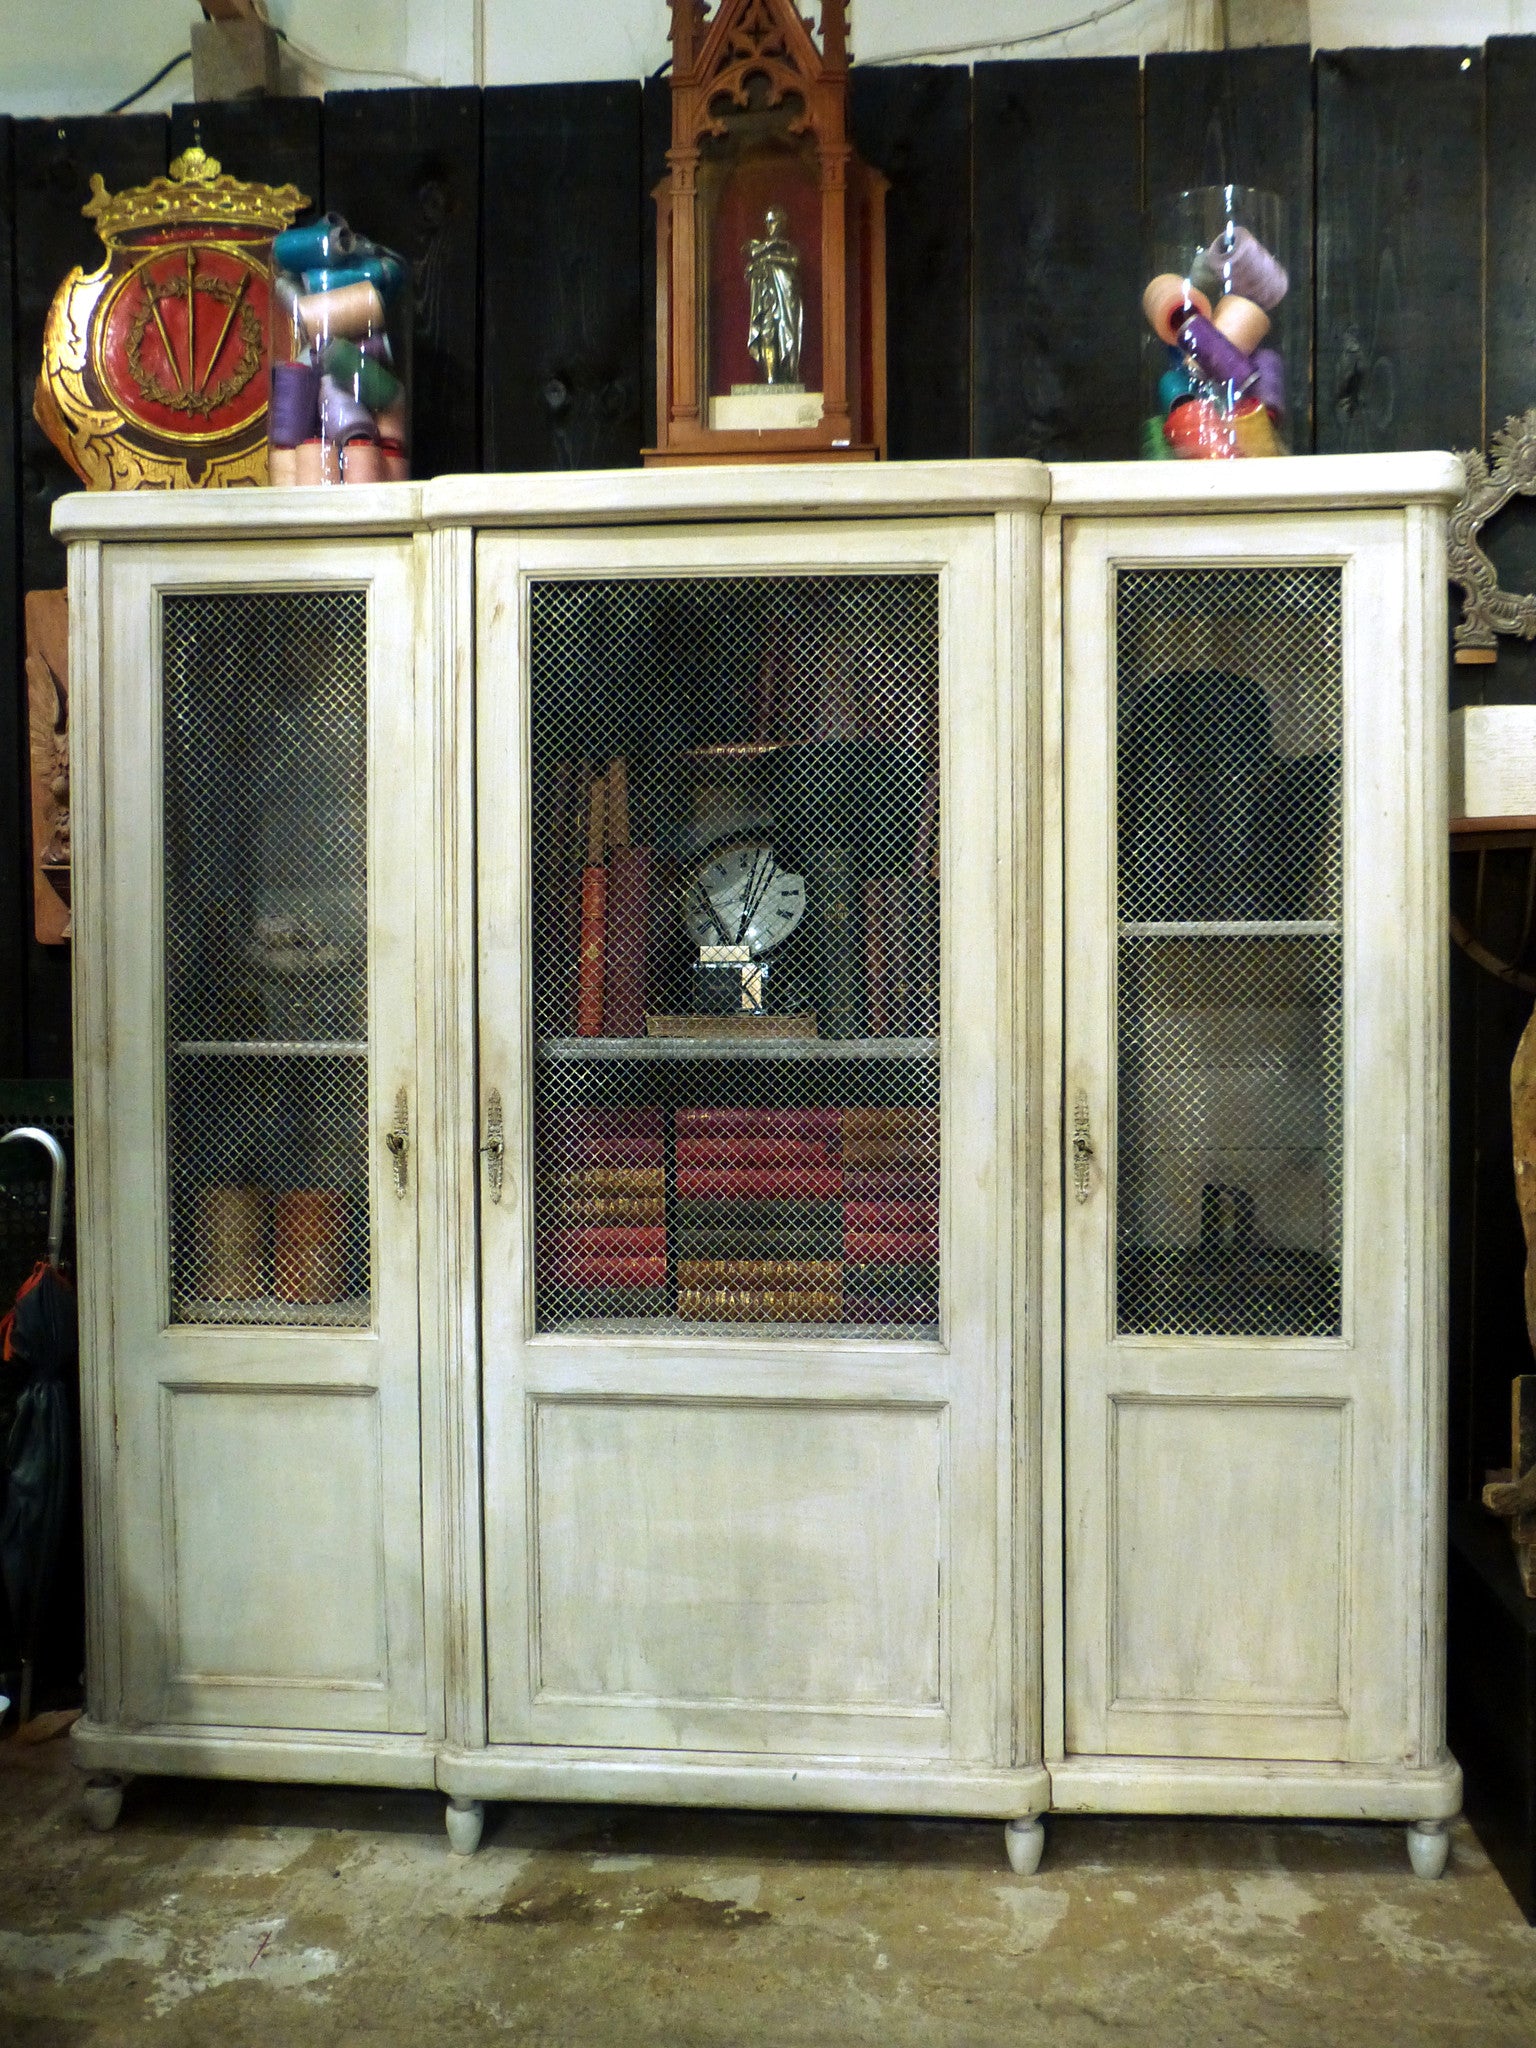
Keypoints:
pixel 1097 1462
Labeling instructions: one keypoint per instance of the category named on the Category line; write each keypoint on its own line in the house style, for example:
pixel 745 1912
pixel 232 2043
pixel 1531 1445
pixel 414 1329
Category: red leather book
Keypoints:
pixel 754 1183
pixel 890 1247
pixel 613 1119
pixel 709 1121
pixel 594 915
pixel 910 1182
pixel 615 1240
pixel 602 1269
pixel 886 1214
pixel 743 1151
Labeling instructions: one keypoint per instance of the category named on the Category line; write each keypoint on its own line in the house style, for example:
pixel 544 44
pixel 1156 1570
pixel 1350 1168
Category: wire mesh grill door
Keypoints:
pixel 1225 1338
pixel 728 1178
pixel 260 793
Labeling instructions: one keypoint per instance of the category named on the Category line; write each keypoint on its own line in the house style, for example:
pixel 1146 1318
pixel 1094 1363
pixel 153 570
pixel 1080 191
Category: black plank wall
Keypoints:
pixel 1016 239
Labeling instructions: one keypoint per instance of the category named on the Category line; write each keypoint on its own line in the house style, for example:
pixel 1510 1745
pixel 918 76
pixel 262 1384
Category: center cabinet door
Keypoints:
pixel 746 1268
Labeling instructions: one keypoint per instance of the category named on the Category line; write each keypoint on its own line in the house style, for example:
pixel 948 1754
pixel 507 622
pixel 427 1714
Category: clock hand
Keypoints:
pixel 709 911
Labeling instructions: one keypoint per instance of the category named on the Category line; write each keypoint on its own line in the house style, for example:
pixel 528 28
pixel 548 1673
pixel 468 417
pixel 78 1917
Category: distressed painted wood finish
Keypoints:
pixel 1056 215
pixel 1244 117
pixel 404 167
pixel 1188 1458
pixel 258 1560
pixel 561 304
pixel 1399 249
pixel 747 1483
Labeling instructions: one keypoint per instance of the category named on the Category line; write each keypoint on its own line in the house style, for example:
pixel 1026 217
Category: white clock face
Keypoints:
pixel 742 897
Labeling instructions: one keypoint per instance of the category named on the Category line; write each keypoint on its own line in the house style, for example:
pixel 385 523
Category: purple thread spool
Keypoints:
pixel 1218 360
pixel 1269 385
pixel 342 416
pixel 295 403
pixel 1248 268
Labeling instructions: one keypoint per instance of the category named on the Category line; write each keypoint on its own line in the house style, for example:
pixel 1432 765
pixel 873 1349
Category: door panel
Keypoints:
pixel 1237 1214
pixel 743 1318
pixel 262 993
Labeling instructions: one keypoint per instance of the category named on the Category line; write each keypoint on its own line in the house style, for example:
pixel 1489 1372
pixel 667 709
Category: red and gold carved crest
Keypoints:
pixel 155 366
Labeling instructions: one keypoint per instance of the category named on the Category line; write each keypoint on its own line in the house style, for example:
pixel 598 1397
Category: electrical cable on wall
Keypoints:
pixel 165 71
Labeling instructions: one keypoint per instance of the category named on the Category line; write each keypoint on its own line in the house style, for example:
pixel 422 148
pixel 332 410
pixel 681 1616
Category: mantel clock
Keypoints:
pixel 770 246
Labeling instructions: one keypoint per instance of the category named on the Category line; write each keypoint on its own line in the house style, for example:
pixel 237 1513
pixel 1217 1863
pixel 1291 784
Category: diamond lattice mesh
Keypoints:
pixel 736 956
pixel 1229 1164
pixel 266 956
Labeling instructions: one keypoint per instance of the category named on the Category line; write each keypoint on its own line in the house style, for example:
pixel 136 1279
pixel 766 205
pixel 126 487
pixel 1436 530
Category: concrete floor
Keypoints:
pixel 286 1916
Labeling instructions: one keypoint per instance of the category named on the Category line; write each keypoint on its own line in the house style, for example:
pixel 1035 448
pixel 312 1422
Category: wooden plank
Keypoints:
pixel 913 122
pixel 404 167
pixel 561 299
pixel 1399 242
pixel 53 165
pixel 1057 259
pixel 270 142
pixel 15 890
pixel 1244 117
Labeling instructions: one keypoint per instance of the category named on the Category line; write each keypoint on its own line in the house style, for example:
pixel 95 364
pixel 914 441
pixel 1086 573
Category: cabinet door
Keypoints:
pixel 746 1271
pixel 259 952
pixel 1250 1010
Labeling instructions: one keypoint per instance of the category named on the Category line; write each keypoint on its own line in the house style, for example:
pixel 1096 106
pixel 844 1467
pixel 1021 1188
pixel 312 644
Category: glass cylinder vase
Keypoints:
pixel 1215 369
pixel 340 353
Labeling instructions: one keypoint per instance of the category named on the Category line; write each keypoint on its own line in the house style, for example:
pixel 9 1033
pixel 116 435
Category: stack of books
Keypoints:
pixel 602 1208
pixel 890 1214
pixel 757 1219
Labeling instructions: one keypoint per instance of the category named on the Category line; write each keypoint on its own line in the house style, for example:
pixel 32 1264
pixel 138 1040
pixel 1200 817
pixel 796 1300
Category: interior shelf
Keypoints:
pixel 271 1312
pixel 272 1048
pixel 729 1329
pixel 684 1049
pixel 1233 928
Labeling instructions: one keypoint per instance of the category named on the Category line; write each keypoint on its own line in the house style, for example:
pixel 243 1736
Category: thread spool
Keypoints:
pixel 1247 268
pixel 1175 383
pixel 397 464
pixel 1243 321
pixel 393 423
pixel 343 416
pixel 1165 301
pixel 308 1235
pixel 1253 431
pixel 1198 431
pixel 324 241
pixel 317 463
pixel 1269 385
pixel 295 404
pixel 355 309
pixel 231 1224
pixel 362 462
pixel 283 467
pixel 1216 358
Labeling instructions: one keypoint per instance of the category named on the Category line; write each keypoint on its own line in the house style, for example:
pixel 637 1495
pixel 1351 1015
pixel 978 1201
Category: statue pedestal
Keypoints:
pixel 765 406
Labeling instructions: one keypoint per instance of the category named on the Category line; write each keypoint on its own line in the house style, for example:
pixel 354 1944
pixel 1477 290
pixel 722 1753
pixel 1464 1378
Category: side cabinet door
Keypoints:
pixel 261 1129
pixel 1249 1027
pixel 746 1278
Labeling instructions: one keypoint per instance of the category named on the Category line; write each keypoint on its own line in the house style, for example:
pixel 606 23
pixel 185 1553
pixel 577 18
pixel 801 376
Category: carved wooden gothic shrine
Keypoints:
pixel 770 246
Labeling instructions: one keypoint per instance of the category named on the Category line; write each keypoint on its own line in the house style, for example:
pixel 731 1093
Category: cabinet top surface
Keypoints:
pixel 790 490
